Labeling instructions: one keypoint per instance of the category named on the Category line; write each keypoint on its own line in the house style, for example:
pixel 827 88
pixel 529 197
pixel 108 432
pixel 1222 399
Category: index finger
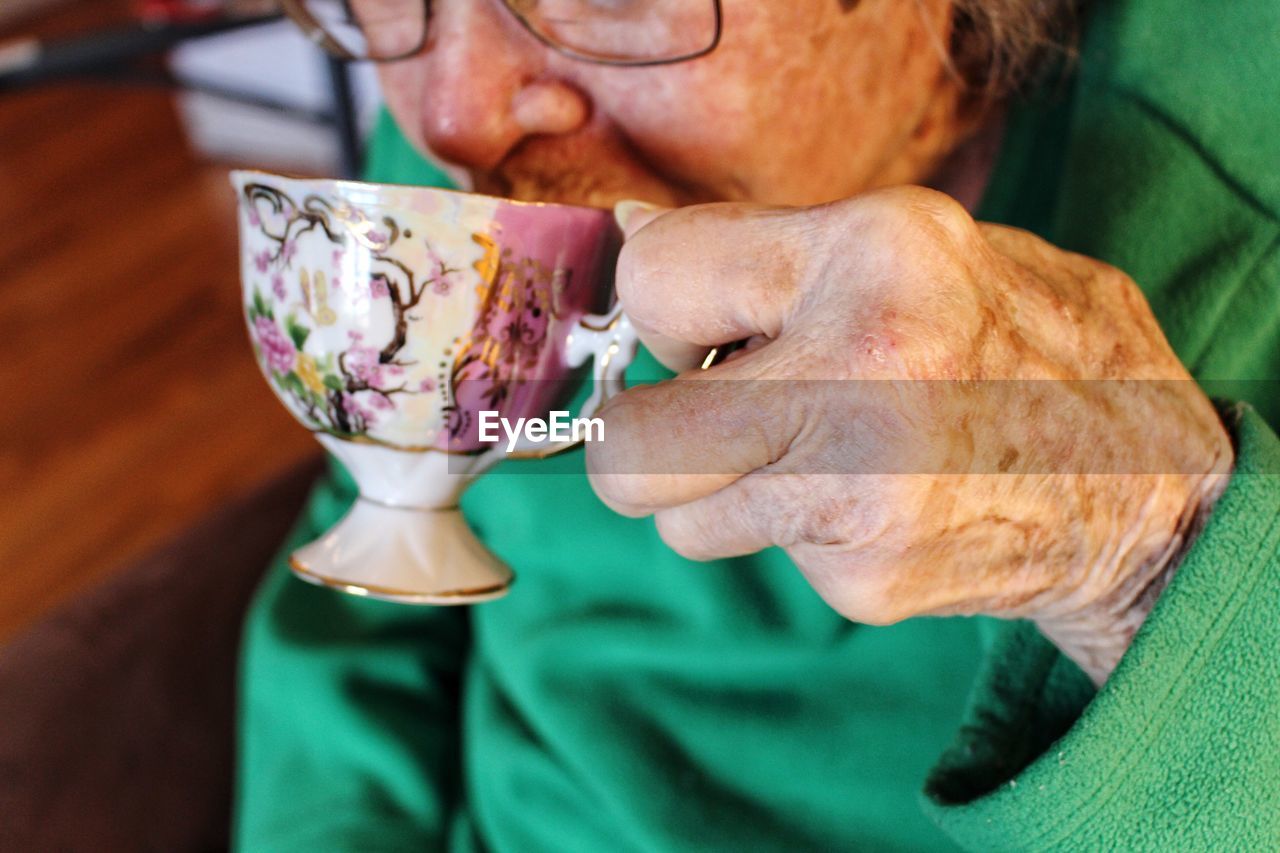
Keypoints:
pixel 677 441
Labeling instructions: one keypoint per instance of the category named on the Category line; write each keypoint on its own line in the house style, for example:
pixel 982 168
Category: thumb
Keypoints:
pixel 632 215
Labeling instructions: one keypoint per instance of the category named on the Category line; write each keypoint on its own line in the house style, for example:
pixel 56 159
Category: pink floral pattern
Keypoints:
pixel 352 389
pixel 349 391
pixel 277 349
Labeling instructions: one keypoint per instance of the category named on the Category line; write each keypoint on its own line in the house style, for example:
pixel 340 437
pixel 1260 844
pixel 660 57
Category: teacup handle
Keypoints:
pixel 610 341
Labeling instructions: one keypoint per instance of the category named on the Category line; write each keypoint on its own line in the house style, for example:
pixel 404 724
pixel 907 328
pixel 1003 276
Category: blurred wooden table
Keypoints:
pixel 132 405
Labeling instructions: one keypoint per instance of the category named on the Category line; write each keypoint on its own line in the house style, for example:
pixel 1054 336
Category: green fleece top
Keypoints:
pixel 622 698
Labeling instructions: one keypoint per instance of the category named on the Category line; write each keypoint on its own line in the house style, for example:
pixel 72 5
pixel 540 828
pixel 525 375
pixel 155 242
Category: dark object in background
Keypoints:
pixel 105 53
pixel 118 708
pixel 127 54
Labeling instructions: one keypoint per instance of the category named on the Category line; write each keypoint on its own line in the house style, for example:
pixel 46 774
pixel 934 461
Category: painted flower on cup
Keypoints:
pixel 277 349
pixel 360 417
pixel 355 387
pixel 309 374
pixel 346 391
pixel 364 364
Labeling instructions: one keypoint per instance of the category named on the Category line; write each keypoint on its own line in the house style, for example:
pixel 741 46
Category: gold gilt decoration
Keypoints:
pixel 519 298
pixel 315 297
pixel 391 593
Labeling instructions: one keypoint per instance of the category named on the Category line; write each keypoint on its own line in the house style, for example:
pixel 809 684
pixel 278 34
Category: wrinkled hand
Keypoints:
pixel 1050 498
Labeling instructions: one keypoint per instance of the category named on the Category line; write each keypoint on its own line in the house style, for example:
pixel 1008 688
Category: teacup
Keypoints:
pixel 386 319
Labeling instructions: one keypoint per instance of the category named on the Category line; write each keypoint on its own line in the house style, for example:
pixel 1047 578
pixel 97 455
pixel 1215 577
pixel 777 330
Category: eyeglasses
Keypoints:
pixel 609 32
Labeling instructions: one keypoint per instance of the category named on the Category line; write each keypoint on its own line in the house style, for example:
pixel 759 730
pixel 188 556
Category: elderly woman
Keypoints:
pixel 1124 528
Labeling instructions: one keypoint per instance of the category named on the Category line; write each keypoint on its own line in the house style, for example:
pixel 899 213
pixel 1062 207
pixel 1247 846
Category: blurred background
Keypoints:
pixel 147 471
pixel 134 405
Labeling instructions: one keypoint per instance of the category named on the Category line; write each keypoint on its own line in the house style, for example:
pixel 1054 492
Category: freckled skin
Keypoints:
pixel 1062 496
pixel 799 104
pixel 993 508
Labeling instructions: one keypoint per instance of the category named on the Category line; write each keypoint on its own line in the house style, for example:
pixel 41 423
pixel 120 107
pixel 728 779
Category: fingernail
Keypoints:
pixel 632 215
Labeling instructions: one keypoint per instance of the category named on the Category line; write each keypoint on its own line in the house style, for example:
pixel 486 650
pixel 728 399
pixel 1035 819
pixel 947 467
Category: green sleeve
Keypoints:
pixel 349 708
pixel 349 714
pixel 392 160
pixel 1180 749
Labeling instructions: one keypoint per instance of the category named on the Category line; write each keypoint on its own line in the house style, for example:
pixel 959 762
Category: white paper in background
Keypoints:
pixel 277 62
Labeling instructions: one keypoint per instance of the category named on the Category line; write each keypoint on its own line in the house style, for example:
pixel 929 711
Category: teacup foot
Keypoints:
pixel 404 554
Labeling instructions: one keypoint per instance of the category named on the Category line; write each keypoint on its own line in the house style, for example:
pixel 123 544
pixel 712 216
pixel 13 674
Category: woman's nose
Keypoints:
pixel 486 86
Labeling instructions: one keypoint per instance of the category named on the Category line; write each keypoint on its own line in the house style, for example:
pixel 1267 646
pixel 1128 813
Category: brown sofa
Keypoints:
pixel 116 710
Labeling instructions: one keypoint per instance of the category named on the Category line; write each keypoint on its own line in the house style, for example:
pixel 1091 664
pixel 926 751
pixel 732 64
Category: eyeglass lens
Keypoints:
pixel 623 30
pixel 601 30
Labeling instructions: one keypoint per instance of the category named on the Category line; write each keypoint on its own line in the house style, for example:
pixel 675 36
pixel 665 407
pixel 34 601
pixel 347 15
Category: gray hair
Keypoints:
pixel 1000 46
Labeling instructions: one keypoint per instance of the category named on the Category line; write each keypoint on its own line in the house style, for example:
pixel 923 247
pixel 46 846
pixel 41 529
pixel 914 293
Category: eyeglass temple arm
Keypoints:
pixel 298 13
